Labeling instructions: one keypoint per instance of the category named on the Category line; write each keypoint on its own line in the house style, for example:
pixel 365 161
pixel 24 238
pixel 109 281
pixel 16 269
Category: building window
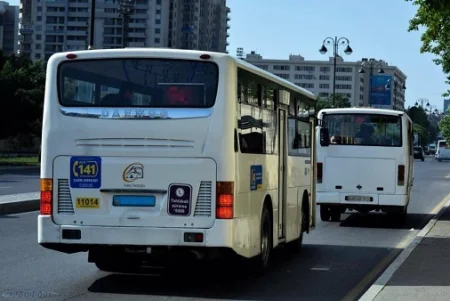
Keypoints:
pixel 324 86
pixel 158 2
pixel 324 69
pixel 282 67
pixel 157 30
pixel 157 40
pixel 284 76
pixel 158 21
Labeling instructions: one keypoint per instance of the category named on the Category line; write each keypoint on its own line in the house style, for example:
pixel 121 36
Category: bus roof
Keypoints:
pixel 364 110
pixel 181 53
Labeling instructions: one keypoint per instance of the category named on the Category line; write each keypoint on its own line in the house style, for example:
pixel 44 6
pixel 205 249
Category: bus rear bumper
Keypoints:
pixel 76 238
pixel 384 200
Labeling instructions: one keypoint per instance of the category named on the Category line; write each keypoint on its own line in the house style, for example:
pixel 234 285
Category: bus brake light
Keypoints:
pixel 46 196
pixel 224 200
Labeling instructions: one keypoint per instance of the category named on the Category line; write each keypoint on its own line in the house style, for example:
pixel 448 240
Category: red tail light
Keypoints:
pixel 224 200
pixel 401 175
pixel 319 172
pixel 46 196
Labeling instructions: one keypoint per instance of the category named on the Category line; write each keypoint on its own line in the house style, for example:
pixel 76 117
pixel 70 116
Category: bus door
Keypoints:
pixel 282 162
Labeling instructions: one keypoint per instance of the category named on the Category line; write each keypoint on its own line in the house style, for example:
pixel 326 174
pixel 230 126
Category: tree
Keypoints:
pixel 22 84
pixel 444 126
pixel 339 102
pixel 434 15
pixel 421 125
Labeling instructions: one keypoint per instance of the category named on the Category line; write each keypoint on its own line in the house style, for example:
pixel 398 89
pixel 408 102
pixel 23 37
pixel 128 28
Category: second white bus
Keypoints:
pixel 364 161
pixel 149 152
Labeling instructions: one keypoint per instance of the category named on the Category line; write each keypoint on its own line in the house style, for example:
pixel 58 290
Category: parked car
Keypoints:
pixel 418 153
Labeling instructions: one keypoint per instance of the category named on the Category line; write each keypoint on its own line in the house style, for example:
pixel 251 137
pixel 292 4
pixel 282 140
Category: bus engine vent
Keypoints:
pixel 203 205
pixel 65 204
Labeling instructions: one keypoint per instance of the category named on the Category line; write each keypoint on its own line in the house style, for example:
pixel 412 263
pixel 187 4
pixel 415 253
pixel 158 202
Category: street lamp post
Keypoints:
pixel 335 42
pixel 125 11
pixel 91 26
pixel 371 64
pixel 421 101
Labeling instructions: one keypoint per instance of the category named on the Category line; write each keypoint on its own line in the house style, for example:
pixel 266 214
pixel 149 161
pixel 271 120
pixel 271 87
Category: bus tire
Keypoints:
pixel 261 262
pixel 325 213
pixel 335 214
pixel 297 244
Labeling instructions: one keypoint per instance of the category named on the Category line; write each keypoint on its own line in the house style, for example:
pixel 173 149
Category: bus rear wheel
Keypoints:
pixel 325 213
pixel 261 262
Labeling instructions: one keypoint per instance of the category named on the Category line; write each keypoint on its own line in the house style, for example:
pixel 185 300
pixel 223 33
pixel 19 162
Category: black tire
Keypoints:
pixel 296 245
pixel 335 214
pixel 325 213
pixel 261 262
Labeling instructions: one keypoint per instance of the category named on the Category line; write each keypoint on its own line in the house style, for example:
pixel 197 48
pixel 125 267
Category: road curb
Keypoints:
pixel 381 282
pixel 19 203
pixel 19 207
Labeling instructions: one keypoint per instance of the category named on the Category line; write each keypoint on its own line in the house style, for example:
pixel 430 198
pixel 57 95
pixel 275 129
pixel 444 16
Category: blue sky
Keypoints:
pixel 375 28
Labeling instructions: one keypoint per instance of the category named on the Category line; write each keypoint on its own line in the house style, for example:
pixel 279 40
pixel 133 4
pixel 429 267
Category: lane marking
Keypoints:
pixel 5 187
pixel 403 245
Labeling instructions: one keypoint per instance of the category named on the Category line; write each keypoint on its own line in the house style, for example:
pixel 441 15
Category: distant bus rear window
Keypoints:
pixel 442 144
pixel 142 82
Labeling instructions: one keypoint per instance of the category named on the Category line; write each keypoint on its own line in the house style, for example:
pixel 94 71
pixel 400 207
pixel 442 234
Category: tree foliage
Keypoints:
pixel 444 126
pixel 434 16
pixel 421 125
pixel 22 85
pixel 339 102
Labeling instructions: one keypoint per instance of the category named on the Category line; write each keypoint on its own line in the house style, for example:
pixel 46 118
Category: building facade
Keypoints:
pixel 47 27
pixel 9 28
pixel 352 78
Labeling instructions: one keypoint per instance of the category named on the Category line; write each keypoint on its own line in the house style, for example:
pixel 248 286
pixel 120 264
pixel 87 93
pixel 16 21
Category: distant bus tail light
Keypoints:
pixel 46 196
pixel 319 172
pixel 224 200
pixel 401 175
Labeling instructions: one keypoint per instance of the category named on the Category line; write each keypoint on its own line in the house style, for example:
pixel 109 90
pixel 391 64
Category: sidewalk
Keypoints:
pixel 425 274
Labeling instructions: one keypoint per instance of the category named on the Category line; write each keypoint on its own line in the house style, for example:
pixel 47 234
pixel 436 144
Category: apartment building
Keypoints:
pixel 351 81
pixel 9 26
pixel 49 26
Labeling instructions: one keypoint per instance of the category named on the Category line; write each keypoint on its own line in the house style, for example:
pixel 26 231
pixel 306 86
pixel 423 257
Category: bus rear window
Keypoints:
pixel 443 144
pixel 142 82
pixel 364 129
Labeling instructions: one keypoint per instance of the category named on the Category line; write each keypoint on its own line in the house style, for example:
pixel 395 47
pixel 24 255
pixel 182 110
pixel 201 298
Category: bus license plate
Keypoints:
pixel 358 198
pixel 88 203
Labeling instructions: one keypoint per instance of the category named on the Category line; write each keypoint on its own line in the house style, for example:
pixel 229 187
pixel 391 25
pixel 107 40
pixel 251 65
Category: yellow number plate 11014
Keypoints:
pixel 89 203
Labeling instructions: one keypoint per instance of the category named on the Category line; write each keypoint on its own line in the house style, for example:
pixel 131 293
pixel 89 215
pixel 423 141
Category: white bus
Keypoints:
pixel 364 161
pixel 149 152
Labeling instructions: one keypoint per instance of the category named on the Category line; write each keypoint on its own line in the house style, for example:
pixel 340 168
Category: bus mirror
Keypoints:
pixel 324 137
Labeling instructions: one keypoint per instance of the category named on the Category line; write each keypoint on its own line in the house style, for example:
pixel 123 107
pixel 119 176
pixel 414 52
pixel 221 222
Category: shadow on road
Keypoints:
pixel 310 275
pixel 383 221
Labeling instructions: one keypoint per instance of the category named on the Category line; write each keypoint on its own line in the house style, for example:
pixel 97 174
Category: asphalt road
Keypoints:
pixel 18 180
pixel 339 260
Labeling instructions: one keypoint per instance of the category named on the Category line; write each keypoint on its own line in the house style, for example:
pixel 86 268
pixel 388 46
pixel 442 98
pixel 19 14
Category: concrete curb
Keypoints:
pixel 19 203
pixel 381 282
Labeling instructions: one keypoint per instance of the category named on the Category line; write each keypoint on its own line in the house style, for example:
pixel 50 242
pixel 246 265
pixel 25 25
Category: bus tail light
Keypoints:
pixel 319 172
pixel 46 196
pixel 224 200
pixel 401 175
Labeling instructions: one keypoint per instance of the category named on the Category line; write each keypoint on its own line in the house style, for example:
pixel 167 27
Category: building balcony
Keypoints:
pixel 80 24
